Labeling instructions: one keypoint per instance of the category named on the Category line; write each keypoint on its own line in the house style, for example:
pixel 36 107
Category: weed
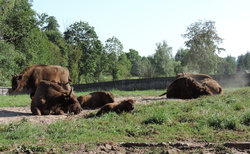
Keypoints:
pixel 215 121
pixel 230 122
pixel 246 118
pixel 158 117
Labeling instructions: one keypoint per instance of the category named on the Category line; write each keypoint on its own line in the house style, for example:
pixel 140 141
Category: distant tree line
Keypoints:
pixel 28 38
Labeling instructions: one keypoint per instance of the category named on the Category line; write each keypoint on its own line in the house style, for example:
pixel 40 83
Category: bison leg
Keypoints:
pixel 36 111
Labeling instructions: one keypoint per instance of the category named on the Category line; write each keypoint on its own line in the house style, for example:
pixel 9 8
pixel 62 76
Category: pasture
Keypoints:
pixel 214 119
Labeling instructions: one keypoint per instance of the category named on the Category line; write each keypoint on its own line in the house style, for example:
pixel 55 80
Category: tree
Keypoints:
pixel 8 58
pixel 114 48
pixel 125 66
pixel 17 21
pixel 146 70
pixel 135 60
pixel 243 62
pixel 181 54
pixel 163 60
pixel 230 65
pixel 203 42
pixel 84 37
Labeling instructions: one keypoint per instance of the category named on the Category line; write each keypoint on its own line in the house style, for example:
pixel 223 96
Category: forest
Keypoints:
pixel 28 38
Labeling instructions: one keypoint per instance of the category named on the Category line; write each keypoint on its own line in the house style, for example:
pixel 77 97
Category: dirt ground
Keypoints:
pixel 14 114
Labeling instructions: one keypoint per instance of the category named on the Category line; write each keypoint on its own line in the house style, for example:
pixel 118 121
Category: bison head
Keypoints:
pixel 206 91
pixel 70 102
pixel 17 83
pixel 110 98
pixel 128 105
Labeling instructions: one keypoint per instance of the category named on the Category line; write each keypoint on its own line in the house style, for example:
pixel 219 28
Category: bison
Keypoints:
pixel 186 88
pixel 51 99
pixel 197 77
pixel 213 86
pixel 95 99
pixel 118 107
pixel 31 76
pixel 204 79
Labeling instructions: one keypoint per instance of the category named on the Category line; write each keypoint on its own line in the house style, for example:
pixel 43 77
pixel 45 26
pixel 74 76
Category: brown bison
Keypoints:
pixel 186 88
pixel 118 107
pixel 197 77
pixel 204 80
pixel 51 99
pixel 213 86
pixel 32 75
pixel 95 99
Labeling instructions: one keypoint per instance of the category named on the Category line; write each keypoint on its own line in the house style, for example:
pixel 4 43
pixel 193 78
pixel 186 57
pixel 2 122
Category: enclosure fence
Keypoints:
pixel 226 81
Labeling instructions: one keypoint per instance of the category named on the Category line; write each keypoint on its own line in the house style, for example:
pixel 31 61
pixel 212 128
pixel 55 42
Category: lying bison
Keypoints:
pixel 32 75
pixel 197 77
pixel 204 79
pixel 95 99
pixel 186 88
pixel 118 107
pixel 51 99
pixel 213 86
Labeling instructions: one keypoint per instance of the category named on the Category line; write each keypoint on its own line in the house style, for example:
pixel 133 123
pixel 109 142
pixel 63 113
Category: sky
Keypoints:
pixel 140 24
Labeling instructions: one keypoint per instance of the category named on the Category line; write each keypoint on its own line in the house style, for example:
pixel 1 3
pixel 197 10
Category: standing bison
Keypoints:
pixel 32 75
pixel 51 99
pixel 95 99
pixel 186 88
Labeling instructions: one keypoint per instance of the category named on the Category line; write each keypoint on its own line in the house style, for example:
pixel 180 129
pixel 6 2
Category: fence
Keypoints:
pixel 235 80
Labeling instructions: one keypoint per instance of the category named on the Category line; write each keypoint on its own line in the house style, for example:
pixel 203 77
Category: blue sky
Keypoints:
pixel 140 24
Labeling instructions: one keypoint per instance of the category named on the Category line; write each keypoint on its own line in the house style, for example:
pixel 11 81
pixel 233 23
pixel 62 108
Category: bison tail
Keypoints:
pixel 163 94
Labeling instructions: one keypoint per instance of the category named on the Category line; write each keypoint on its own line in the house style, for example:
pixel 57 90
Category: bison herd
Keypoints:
pixel 52 94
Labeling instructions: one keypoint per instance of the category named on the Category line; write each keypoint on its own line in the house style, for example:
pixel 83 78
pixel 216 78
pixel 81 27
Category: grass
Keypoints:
pixel 217 119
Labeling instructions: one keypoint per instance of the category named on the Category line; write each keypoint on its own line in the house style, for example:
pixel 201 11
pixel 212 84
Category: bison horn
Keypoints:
pixel 71 91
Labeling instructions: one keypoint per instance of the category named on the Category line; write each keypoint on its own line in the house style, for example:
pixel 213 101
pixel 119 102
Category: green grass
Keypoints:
pixel 207 119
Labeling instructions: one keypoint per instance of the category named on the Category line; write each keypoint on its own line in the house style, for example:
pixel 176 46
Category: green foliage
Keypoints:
pixel 135 60
pixel 85 38
pixel 158 116
pixel 8 58
pixel 202 42
pixel 246 118
pixel 243 62
pixel 32 38
pixel 114 48
pixel 163 60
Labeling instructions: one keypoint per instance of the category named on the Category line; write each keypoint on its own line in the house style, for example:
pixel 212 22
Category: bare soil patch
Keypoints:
pixel 14 114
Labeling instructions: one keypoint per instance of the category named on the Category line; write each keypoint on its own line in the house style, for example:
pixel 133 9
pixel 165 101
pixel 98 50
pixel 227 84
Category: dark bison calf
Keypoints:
pixel 51 99
pixel 186 88
pixel 118 107
pixel 95 99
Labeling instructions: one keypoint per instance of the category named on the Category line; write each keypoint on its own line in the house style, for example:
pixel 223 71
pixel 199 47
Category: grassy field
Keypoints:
pixel 206 119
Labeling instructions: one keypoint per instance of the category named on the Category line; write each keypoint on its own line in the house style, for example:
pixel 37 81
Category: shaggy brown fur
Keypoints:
pixel 186 88
pixel 51 99
pixel 32 75
pixel 118 107
pixel 95 99
pixel 197 77
pixel 213 86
